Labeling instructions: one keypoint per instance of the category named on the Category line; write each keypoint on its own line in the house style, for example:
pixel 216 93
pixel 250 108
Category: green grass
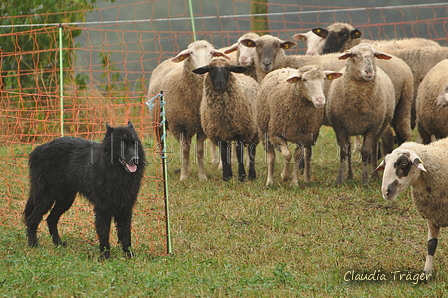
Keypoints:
pixel 245 240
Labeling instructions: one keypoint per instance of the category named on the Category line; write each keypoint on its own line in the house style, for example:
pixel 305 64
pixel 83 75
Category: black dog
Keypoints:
pixel 108 174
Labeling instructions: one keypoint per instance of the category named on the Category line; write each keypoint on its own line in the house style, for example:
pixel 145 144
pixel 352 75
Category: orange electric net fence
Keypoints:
pixel 72 78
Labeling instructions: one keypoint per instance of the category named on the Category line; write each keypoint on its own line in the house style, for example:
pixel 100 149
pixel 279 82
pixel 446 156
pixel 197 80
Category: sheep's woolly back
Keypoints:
pixel 284 111
pixel 228 116
pixel 422 60
pixel 432 111
pixel 430 189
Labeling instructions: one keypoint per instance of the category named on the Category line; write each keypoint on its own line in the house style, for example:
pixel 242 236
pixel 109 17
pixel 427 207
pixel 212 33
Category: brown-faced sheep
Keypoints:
pixel 269 53
pixel 432 104
pixel 289 108
pixel 360 103
pixel 183 93
pixel 425 169
pixel 227 112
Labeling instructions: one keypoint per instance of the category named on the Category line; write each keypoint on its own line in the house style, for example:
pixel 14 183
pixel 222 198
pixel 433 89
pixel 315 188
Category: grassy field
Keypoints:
pixel 245 240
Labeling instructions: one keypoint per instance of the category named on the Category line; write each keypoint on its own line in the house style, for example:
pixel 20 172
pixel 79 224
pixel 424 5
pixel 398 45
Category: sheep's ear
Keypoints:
pixel 344 56
pixel 130 124
pixel 231 49
pixel 320 32
pixel 294 79
pixel 181 56
pixel 381 55
pixel 202 70
pixel 287 44
pixel 381 166
pixel 238 69
pixel 217 53
pixel 417 162
pixel 300 37
pixel 331 75
pixel 250 43
pixel 355 33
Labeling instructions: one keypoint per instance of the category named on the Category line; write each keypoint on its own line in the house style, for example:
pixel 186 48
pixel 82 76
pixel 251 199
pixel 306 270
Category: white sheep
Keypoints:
pixel 183 93
pixel 227 112
pixel 289 108
pixel 360 103
pixel 432 103
pixel 314 43
pixel 244 55
pixel 270 55
pixel 425 169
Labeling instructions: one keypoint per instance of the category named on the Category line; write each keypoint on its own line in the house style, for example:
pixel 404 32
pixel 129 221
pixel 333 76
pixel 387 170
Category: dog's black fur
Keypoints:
pixel 108 174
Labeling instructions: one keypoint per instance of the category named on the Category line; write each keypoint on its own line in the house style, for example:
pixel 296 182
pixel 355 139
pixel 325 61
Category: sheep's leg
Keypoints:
pixel 214 153
pixel 240 157
pixel 251 152
pixel 426 137
pixel 185 169
pixel 368 152
pixel 271 164
pixel 433 235
pixel 307 164
pixel 200 139
pixel 298 157
pixel 367 146
pixel 225 158
pixel 344 144
pixel 374 158
pixel 286 174
pixel 234 154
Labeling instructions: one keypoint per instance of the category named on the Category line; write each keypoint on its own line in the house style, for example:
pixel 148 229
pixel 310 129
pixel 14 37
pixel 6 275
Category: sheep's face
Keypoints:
pixel 402 167
pixel 309 82
pixel 245 54
pixel 268 50
pixel 337 36
pixel 200 53
pixel 218 73
pixel 361 64
pixel 314 43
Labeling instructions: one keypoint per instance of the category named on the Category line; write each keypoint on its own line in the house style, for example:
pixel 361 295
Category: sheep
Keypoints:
pixel 421 60
pixel 289 108
pixel 244 55
pixel 425 169
pixel 314 43
pixel 183 93
pixel 431 103
pixel 340 37
pixel 360 103
pixel 226 112
pixel 269 55
pixel 270 50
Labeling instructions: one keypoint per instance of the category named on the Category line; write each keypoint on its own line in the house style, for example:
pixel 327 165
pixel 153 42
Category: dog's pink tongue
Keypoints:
pixel 131 168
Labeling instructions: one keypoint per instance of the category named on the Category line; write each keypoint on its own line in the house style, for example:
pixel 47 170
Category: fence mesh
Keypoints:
pixel 107 62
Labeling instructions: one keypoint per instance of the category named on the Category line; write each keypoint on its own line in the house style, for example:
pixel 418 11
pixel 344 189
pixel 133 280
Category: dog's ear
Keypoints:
pixel 109 129
pixel 130 124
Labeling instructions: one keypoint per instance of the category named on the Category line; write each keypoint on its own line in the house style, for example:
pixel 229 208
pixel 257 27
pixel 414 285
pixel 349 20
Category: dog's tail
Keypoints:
pixel 29 207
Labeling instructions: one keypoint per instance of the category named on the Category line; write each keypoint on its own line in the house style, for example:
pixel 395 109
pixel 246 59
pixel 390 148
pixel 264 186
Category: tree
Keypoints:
pixel 29 60
pixel 259 19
